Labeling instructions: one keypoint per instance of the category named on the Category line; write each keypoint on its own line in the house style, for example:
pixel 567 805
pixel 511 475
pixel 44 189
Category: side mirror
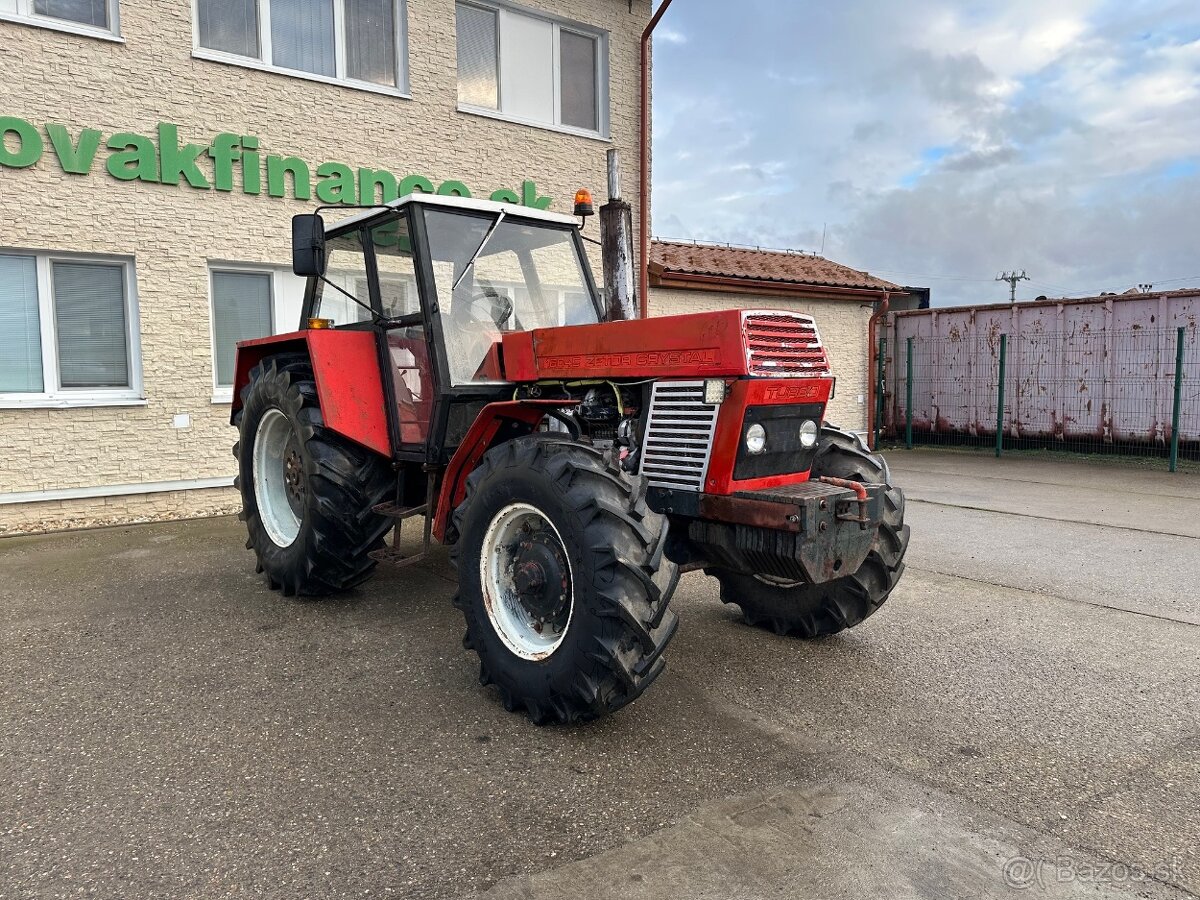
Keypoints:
pixel 308 245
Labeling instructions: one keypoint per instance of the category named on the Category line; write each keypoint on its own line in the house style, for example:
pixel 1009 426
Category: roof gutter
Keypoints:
pixel 644 138
pixel 668 279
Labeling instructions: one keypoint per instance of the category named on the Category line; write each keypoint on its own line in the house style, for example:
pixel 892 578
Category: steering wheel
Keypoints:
pixel 492 316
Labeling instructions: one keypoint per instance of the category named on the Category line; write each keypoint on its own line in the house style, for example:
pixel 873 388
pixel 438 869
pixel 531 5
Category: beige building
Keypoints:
pixel 690 277
pixel 152 155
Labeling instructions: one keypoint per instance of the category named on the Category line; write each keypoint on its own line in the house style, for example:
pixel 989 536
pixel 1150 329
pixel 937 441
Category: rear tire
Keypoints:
pixel 308 512
pixel 595 641
pixel 817 610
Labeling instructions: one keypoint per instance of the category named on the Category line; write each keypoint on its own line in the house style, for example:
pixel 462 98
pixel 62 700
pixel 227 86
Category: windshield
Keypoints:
pixel 525 276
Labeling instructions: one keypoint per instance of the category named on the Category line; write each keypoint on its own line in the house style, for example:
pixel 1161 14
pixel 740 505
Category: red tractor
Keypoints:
pixel 452 364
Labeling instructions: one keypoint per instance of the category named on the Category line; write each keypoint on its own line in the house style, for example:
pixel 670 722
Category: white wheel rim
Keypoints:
pixel 526 633
pixel 275 464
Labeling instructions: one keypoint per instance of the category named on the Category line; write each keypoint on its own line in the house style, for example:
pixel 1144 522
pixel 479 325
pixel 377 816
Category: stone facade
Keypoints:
pixel 843 328
pixel 173 232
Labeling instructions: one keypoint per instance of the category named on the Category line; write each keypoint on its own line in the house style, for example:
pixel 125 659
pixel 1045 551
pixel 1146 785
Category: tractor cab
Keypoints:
pixel 445 278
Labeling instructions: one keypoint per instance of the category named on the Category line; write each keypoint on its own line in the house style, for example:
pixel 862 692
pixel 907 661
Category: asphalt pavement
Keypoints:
pixel 1021 719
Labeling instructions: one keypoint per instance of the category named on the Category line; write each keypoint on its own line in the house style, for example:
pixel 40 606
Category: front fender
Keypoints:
pixel 494 426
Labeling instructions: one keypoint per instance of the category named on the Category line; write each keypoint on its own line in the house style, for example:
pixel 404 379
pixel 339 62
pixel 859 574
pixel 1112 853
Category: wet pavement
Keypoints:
pixel 1021 719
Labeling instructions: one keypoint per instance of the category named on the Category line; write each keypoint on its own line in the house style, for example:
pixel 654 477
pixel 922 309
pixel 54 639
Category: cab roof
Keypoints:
pixel 464 203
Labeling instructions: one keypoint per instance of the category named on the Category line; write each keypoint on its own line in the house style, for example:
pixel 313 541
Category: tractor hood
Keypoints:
pixel 733 342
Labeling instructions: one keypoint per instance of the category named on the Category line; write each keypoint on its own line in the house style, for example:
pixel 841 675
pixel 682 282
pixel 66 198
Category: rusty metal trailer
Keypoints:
pixel 1097 369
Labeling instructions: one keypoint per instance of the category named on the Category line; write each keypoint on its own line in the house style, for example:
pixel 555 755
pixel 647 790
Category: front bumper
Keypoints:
pixel 814 532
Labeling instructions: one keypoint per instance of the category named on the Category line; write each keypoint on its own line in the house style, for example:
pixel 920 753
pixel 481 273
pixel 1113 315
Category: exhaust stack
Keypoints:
pixel 616 239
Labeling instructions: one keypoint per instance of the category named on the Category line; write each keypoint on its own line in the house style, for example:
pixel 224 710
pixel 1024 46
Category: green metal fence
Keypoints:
pixel 1133 393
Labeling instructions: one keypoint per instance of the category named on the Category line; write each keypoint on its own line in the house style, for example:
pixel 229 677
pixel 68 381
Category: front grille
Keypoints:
pixel 784 345
pixel 679 435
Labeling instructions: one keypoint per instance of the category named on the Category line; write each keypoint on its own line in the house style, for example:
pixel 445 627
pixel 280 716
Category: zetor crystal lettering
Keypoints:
pixel 574 466
pixel 703 359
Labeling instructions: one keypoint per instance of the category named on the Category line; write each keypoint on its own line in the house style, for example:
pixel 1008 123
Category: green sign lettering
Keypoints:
pixel 75 158
pixel 277 171
pixel 165 159
pixel 369 180
pixel 29 143
pixel 415 184
pixel 176 160
pixel 336 183
pixel 135 159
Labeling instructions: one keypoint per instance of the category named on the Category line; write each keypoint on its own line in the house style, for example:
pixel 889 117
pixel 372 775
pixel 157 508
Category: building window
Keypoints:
pixel 70 331
pixel 360 42
pixel 242 310
pixel 248 301
pixel 84 16
pixel 531 69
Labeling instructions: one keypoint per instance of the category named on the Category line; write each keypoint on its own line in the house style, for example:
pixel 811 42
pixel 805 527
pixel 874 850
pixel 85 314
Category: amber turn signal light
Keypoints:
pixel 315 322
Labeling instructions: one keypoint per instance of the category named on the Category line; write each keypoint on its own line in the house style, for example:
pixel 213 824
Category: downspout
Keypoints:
pixel 644 191
pixel 872 353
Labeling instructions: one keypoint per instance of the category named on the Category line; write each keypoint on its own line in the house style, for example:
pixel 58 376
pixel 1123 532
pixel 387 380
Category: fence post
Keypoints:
pixel 1000 396
pixel 1175 408
pixel 879 391
pixel 908 398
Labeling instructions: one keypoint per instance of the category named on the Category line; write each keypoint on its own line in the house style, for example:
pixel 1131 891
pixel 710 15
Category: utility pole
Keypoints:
pixel 1012 278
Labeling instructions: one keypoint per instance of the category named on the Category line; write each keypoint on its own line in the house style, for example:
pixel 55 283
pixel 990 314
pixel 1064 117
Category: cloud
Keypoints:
pixel 939 138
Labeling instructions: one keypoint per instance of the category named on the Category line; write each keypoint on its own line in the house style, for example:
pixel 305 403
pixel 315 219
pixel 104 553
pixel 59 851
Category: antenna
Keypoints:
pixel 1012 278
pixel 824 231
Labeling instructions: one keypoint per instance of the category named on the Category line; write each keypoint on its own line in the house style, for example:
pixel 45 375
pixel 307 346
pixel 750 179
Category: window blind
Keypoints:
pixel 85 12
pixel 478 64
pixel 241 311
pixel 20 325
pixel 89 312
pixel 229 25
pixel 302 35
pixel 371 41
pixel 577 64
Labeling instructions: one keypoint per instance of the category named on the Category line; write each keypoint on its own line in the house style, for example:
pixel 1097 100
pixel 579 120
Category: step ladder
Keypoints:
pixel 391 554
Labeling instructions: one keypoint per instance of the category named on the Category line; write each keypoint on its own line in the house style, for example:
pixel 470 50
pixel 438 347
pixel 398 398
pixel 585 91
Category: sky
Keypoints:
pixel 938 143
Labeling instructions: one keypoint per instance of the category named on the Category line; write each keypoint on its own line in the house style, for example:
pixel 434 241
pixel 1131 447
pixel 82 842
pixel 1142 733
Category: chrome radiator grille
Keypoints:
pixel 783 344
pixel 679 435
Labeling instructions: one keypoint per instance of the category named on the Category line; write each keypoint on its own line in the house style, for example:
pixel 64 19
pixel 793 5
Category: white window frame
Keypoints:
pixel 26 16
pixel 222 394
pixel 602 70
pixel 401 89
pixel 53 394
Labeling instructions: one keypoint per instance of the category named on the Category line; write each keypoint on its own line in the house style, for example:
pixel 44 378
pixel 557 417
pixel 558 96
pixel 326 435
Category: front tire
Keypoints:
pixel 562 580
pixel 817 610
pixel 307 493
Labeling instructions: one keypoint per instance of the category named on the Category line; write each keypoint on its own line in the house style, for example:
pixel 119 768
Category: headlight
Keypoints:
pixel 756 438
pixel 714 391
pixel 808 434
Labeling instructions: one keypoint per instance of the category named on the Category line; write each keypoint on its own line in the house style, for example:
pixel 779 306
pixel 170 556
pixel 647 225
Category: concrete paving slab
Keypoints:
pixel 1113 495
pixel 1152 574
pixel 833 841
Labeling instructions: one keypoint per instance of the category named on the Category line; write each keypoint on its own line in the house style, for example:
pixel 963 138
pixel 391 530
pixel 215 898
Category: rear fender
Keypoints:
pixel 497 423
pixel 349 387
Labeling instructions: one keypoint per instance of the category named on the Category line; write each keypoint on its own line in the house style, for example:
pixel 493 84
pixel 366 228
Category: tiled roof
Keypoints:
pixel 675 258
